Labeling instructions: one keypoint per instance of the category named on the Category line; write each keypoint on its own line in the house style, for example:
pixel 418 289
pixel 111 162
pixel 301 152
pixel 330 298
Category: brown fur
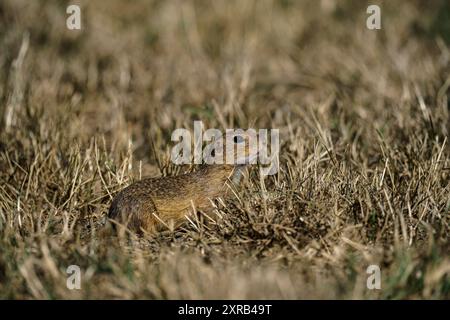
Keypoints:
pixel 152 204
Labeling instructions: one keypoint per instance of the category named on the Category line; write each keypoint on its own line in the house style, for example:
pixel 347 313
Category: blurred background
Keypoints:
pixel 140 69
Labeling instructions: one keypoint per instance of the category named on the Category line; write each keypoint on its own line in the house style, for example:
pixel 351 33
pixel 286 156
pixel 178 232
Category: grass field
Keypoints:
pixel 364 120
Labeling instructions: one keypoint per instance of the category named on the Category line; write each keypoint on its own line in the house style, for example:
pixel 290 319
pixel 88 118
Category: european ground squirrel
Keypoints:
pixel 154 204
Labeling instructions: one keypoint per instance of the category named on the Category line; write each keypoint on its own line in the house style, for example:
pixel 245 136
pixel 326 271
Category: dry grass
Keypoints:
pixel 365 158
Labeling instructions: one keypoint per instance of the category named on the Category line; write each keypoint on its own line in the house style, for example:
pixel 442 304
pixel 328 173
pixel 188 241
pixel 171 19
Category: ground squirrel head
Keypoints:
pixel 237 148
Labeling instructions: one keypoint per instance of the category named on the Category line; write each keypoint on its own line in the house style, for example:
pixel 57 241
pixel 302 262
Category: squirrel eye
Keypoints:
pixel 238 139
